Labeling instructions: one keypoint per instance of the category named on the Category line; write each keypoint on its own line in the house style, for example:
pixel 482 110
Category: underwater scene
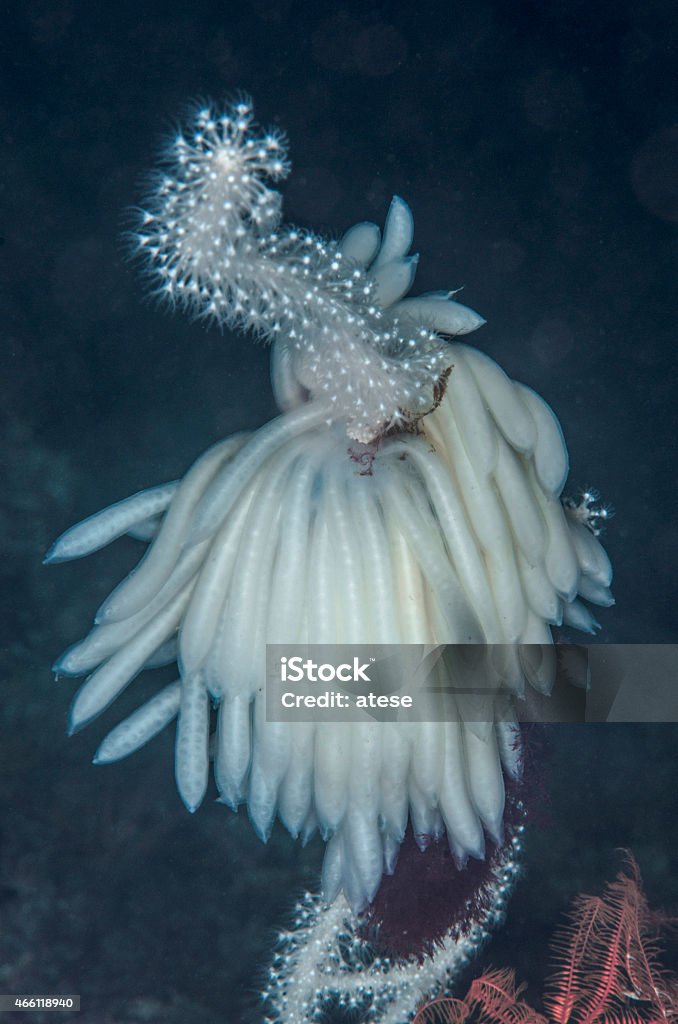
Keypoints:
pixel 340 374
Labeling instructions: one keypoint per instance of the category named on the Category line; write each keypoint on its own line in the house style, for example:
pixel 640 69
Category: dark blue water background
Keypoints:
pixel 537 144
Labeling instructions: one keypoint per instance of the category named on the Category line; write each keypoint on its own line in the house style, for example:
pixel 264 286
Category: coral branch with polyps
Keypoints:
pixel 215 244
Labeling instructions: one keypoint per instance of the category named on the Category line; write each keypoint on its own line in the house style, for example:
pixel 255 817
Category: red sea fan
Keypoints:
pixel 607 970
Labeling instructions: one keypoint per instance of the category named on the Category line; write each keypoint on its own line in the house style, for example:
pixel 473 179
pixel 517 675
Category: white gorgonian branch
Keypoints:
pixel 212 236
pixel 322 961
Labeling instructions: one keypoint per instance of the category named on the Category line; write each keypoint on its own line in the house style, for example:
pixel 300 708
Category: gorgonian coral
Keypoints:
pixel 409 493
